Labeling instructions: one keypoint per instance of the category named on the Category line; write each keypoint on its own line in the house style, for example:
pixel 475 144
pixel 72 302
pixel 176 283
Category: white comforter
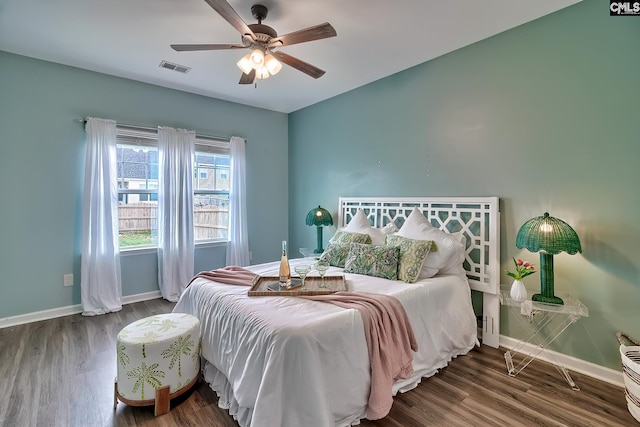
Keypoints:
pixel 290 362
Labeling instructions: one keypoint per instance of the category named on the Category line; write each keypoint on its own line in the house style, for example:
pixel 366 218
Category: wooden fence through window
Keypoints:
pixel 211 222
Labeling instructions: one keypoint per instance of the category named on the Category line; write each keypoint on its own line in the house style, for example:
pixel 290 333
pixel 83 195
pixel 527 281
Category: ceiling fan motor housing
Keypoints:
pixel 263 32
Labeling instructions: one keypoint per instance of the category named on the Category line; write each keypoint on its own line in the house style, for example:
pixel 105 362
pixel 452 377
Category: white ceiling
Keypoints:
pixel 376 38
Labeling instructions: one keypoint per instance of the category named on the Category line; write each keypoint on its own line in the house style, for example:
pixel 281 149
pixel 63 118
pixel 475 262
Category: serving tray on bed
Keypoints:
pixel 312 284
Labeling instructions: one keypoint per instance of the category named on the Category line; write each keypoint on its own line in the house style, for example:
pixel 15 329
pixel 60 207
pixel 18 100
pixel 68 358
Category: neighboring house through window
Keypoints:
pixel 137 160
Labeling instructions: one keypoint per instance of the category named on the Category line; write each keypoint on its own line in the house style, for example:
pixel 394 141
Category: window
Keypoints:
pixel 137 159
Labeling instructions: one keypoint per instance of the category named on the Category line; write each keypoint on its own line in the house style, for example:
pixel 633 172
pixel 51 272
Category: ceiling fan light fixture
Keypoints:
pixel 257 58
pixel 245 64
pixel 272 64
pixel 262 73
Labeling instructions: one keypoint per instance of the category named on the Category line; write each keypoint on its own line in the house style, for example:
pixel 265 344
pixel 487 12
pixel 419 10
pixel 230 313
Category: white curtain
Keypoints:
pixel 238 244
pixel 176 149
pixel 100 282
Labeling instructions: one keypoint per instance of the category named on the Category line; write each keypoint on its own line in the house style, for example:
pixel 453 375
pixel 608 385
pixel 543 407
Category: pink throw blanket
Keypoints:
pixel 231 275
pixel 388 332
pixel 390 341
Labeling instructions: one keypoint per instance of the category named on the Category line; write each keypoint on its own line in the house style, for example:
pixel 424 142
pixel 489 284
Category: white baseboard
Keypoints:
pixel 146 296
pixel 571 363
pixel 37 316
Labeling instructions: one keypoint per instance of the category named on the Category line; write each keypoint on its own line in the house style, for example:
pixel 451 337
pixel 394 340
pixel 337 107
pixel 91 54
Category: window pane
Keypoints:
pixel 211 172
pixel 137 220
pixel 210 216
pixel 137 167
pixel 137 212
pixel 211 211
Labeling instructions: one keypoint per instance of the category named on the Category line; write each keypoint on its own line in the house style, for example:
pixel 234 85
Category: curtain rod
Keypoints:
pixel 149 129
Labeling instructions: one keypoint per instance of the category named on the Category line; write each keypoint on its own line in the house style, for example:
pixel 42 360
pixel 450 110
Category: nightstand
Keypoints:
pixel 544 324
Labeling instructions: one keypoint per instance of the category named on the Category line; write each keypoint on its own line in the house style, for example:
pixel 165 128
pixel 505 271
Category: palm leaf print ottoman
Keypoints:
pixel 158 359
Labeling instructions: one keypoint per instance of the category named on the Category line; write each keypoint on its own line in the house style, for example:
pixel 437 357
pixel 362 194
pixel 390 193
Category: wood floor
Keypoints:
pixel 60 372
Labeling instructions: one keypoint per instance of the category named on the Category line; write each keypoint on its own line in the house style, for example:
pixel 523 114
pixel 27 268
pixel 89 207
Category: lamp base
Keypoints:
pixel 547 300
pixel 319 249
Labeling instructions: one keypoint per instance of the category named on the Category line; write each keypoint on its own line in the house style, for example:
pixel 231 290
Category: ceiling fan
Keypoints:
pixel 264 59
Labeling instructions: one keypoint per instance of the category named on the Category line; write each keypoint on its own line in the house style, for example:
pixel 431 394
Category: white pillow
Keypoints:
pixel 388 229
pixel 419 228
pixel 455 265
pixel 360 224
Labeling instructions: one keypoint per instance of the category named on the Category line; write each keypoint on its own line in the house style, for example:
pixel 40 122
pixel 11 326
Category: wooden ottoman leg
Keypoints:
pixel 115 394
pixel 162 401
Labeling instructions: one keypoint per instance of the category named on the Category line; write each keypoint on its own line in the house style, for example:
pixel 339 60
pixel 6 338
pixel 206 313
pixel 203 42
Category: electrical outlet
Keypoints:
pixel 250 256
pixel 68 280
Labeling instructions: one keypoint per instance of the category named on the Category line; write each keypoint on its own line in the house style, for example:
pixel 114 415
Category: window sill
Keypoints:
pixel 211 244
pixel 139 251
pixel 154 250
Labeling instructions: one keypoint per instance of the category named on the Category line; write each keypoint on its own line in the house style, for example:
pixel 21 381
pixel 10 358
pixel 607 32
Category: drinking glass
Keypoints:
pixel 302 270
pixel 307 252
pixel 322 267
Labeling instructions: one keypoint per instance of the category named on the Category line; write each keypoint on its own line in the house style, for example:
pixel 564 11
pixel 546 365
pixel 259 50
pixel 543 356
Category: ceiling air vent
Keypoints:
pixel 175 67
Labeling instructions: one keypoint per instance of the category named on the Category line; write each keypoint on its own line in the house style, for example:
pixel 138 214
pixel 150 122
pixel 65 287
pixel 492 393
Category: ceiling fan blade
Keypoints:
pixel 300 65
pixel 231 16
pixel 247 79
pixel 190 47
pixel 317 32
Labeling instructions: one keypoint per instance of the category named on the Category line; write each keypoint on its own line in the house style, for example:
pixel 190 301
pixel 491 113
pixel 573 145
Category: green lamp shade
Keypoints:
pixel 549 236
pixel 319 217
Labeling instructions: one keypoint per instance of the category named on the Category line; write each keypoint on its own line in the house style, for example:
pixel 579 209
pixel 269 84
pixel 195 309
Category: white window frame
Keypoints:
pixel 147 137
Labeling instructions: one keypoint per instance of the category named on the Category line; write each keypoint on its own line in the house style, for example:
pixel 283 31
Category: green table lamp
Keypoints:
pixel 549 236
pixel 319 217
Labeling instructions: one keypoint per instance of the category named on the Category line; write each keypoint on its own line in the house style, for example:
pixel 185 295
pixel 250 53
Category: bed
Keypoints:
pixel 287 361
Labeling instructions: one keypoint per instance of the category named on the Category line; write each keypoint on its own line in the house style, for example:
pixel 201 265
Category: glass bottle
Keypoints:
pixel 285 272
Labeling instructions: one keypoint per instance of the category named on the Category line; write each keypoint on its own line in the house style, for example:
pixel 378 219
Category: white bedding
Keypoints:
pixel 289 362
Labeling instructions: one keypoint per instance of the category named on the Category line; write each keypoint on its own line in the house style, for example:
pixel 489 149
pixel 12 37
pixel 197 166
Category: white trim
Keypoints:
pixel 146 296
pixel 199 244
pixel 598 372
pixel 36 316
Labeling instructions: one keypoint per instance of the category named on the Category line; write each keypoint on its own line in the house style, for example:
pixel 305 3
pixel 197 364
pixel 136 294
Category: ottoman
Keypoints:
pixel 158 358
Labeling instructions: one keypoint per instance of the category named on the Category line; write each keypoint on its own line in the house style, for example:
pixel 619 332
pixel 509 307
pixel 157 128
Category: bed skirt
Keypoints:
pixel 243 416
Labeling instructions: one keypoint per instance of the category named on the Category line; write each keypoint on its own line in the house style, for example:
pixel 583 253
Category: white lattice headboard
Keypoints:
pixel 477 217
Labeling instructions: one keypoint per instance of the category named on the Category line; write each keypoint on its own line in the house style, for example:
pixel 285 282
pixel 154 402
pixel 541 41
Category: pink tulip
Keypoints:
pixel 531 268
pixel 519 262
pixel 527 263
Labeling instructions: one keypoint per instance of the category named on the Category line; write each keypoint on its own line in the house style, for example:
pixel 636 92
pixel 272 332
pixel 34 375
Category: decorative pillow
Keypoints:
pixel 455 265
pixel 373 260
pixel 412 256
pixel 419 228
pixel 360 224
pixel 388 229
pixel 335 254
pixel 343 237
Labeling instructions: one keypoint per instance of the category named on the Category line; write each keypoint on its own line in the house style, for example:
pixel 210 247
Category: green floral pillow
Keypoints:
pixel 412 256
pixel 373 260
pixel 335 254
pixel 346 237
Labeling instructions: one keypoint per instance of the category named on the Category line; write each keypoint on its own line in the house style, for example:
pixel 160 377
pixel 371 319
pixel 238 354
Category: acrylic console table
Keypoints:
pixel 544 323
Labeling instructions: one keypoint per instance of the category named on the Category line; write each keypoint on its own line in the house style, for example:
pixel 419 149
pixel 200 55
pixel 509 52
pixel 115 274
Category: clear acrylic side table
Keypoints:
pixel 538 319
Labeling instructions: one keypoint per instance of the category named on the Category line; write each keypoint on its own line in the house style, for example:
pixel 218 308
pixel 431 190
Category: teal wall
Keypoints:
pixel 42 152
pixel 545 116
